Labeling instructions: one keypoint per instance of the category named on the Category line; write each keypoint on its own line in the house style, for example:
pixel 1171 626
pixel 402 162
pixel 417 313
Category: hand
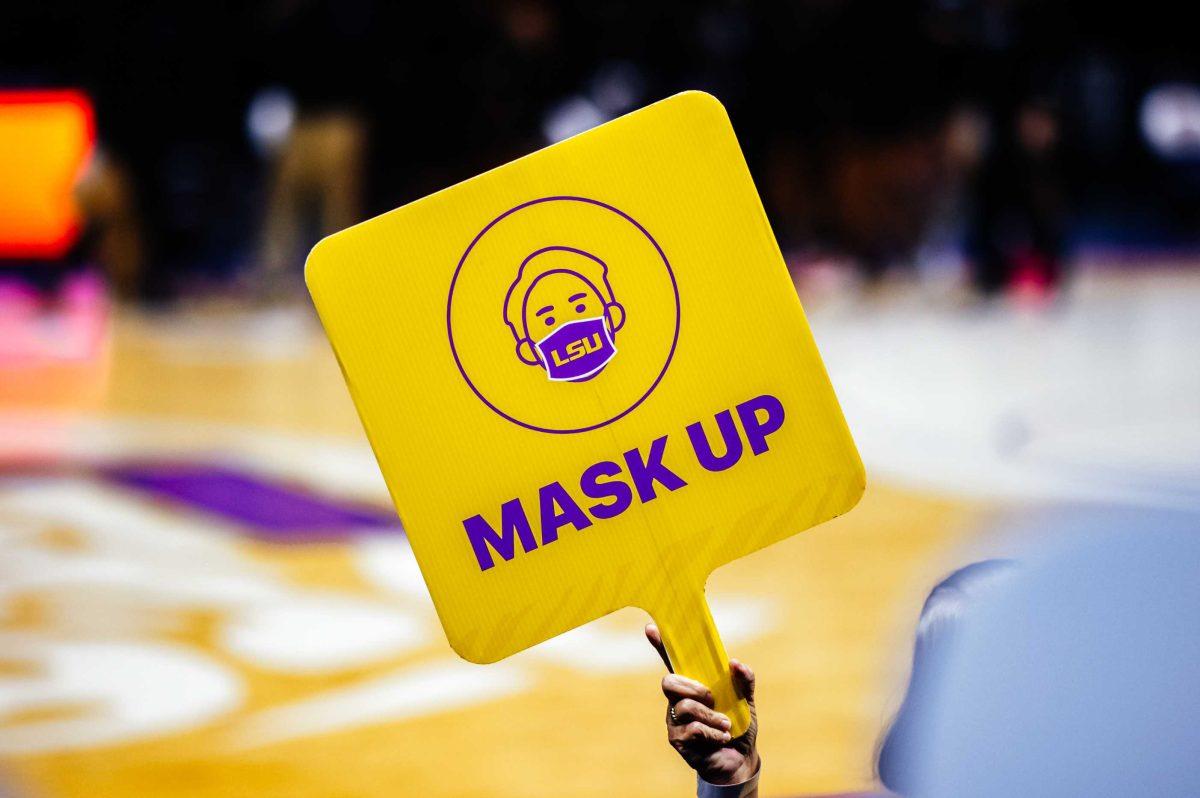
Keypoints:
pixel 701 734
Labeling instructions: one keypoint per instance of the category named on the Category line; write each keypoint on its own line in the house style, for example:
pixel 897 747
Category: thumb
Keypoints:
pixel 743 680
pixel 655 638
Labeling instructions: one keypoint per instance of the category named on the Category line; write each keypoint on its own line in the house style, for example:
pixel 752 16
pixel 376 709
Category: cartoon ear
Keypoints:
pixel 526 353
pixel 616 315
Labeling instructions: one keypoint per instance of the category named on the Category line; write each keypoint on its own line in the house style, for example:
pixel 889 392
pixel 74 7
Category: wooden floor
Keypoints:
pixel 155 640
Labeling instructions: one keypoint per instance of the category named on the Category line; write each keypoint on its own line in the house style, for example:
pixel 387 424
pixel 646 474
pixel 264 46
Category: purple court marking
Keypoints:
pixel 463 260
pixel 269 510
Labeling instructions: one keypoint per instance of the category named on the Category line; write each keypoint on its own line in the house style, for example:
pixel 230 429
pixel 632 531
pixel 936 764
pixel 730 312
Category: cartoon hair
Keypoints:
pixel 588 268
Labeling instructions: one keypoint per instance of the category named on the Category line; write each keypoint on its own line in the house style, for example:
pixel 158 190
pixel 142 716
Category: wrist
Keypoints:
pixel 747 770
pixel 742 783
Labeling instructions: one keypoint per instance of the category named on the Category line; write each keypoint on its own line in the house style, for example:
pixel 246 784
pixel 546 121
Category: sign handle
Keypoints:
pixel 695 649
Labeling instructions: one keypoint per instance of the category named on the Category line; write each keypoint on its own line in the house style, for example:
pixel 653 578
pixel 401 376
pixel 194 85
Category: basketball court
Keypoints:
pixel 204 590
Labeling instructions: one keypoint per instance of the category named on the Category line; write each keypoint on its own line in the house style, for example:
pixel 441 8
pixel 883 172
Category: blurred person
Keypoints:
pixel 177 189
pixel 318 170
pixel 312 125
pixel 528 57
pixel 1070 675
pixel 947 608
pixel 1017 230
pixel 858 95
pixel 1012 57
pixel 113 232
pixel 1077 680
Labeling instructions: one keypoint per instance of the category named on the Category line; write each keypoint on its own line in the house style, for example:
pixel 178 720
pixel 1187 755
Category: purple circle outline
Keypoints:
pixel 450 300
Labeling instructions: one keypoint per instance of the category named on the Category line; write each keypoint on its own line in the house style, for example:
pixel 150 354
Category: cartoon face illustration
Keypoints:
pixel 562 312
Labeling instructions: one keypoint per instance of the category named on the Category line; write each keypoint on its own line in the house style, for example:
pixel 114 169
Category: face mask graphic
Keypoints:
pixel 577 350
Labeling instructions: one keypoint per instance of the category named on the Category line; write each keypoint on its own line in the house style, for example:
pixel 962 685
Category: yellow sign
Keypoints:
pixel 589 382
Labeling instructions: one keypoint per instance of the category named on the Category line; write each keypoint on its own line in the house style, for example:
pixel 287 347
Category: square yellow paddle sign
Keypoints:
pixel 588 381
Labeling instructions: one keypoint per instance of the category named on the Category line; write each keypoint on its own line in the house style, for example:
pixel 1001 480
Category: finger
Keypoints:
pixel 676 688
pixel 655 638
pixel 743 679
pixel 696 733
pixel 689 710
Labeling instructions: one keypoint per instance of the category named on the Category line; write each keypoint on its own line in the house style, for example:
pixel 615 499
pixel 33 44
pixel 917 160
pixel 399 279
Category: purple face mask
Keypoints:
pixel 577 350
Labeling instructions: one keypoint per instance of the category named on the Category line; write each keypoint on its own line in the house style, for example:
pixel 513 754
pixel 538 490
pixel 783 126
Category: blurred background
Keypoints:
pixel 990 209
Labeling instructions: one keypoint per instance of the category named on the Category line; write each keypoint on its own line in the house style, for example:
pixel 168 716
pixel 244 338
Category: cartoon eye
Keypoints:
pixel 580 308
pixel 549 321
